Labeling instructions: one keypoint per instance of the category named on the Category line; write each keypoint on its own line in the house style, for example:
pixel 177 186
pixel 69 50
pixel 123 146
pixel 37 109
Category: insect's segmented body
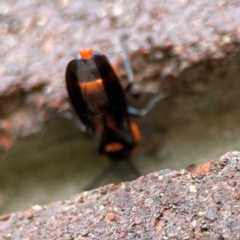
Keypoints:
pixel 99 100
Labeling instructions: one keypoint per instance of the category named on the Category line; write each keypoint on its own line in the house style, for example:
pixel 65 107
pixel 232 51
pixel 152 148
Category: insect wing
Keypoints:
pixel 80 71
pixel 99 100
pixel 113 88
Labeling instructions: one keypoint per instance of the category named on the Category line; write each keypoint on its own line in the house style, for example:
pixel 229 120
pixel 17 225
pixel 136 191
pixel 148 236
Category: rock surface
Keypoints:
pixel 199 204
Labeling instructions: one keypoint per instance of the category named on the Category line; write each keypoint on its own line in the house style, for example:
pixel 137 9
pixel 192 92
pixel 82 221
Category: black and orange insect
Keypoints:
pixel 99 100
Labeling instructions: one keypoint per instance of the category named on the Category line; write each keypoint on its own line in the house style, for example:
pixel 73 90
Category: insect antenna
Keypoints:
pixel 126 62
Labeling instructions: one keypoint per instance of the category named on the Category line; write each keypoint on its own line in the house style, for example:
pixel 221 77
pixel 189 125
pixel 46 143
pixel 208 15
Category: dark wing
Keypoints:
pixel 113 88
pixel 93 88
pixel 80 72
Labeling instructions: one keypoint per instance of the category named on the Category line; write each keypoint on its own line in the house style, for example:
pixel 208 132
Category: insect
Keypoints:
pixel 100 103
pixel 99 100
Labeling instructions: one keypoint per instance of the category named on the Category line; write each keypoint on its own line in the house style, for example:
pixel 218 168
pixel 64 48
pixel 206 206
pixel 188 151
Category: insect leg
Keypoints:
pixel 92 184
pixel 126 62
pixel 69 116
pixel 141 112
pixel 133 168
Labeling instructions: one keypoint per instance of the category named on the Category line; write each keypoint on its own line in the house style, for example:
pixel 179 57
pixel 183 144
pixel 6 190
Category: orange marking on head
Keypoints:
pixel 113 147
pixel 135 131
pixel 92 87
pixel 86 53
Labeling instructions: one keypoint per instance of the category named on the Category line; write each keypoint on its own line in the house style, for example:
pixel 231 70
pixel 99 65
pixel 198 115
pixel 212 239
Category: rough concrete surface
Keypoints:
pixel 202 203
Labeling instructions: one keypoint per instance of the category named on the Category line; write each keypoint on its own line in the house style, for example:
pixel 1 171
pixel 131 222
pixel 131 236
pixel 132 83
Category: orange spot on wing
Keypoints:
pixel 113 147
pixel 92 87
pixel 86 53
pixel 135 131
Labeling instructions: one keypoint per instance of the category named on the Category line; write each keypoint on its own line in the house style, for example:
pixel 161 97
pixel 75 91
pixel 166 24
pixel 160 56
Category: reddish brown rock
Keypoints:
pixel 202 168
pixel 166 205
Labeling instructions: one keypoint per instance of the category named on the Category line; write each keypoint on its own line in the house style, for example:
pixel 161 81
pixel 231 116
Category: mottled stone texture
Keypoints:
pixel 201 204
pixel 166 39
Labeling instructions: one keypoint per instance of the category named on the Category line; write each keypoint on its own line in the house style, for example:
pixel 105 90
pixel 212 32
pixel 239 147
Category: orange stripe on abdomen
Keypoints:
pixel 113 147
pixel 92 87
